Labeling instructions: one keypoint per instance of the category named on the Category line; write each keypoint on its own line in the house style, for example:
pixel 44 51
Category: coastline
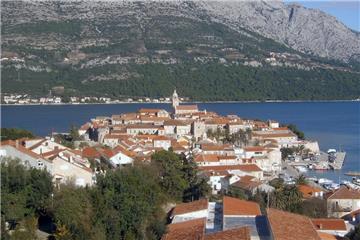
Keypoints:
pixel 197 102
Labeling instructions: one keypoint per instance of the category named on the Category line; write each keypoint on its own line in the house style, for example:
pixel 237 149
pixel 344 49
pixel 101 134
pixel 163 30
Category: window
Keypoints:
pixel 40 164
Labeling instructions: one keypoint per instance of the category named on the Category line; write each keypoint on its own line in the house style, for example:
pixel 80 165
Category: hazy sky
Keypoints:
pixel 347 11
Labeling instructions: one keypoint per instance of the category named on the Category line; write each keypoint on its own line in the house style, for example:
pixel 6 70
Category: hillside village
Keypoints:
pixel 230 153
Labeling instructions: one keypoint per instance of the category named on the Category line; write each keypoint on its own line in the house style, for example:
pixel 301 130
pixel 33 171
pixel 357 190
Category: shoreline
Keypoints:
pixel 197 102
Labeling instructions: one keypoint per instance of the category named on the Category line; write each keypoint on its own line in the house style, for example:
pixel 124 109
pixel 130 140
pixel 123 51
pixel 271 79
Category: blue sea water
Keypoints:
pixel 333 124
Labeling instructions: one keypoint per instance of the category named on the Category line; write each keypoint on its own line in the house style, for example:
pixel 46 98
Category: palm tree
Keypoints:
pixel 278 200
pixel 301 180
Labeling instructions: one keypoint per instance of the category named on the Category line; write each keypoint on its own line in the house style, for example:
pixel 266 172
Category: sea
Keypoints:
pixel 332 124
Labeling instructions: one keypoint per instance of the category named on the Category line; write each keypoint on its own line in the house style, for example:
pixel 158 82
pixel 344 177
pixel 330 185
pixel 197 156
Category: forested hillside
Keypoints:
pixel 133 49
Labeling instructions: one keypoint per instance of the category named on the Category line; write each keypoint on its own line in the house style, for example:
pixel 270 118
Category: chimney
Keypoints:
pixel 320 226
pixel 17 143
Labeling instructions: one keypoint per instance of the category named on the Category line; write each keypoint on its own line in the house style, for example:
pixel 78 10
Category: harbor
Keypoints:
pixel 331 160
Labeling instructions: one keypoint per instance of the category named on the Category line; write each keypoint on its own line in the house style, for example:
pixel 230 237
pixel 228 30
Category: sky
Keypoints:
pixel 347 11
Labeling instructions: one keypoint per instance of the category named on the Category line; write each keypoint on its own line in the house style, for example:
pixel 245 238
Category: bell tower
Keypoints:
pixel 175 99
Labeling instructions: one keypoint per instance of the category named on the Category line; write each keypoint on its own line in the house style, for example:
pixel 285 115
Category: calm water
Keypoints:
pixel 333 124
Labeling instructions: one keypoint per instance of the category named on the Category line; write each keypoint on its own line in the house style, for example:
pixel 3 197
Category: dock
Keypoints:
pixel 322 160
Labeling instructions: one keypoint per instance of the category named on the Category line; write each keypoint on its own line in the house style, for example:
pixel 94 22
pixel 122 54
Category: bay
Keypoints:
pixel 333 124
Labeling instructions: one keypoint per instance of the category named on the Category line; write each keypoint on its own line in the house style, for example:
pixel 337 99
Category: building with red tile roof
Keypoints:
pixel 310 192
pixel 188 230
pixel 237 207
pixel 343 201
pixel 191 210
pixel 241 233
pixel 332 226
pixel 186 109
pixel 290 226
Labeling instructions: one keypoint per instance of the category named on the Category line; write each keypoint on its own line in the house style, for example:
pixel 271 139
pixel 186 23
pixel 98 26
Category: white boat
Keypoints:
pixel 301 169
pixel 324 181
pixel 331 150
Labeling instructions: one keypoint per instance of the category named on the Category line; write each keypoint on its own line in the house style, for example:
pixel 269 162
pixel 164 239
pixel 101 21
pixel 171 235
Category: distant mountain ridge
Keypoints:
pixel 307 30
pixel 208 50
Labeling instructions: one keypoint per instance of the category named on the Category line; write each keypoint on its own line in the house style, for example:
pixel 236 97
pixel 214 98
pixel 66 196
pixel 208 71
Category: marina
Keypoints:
pixel 323 161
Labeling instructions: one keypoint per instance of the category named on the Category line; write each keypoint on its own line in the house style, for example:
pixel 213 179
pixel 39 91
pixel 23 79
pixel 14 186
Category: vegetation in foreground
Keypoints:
pixel 126 203
pixel 15 133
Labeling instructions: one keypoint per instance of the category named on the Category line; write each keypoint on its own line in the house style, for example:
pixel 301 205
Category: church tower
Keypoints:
pixel 175 99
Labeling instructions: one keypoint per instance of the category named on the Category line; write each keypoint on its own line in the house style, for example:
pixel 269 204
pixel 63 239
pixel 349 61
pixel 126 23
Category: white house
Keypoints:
pixel 162 142
pixel 342 202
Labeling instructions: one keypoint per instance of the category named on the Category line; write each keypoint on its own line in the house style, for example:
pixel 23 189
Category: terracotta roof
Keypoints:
pixel 217 121
pixel 187 107
pixel 247 183
pixel 154 119
pixel 345 193
pixel 226 157
pixel 188 230
pixel 290 226
pixel 119 148
pixel 245 168
pixel 111 136
pixel 174 122
pixel 329 224
pixel 206 158
pixel 308 191
pixel 242 233
pixel 215 147
pixel 150 110
pixel 254 149
pixel 142 126
pixel 22 149
pixel 161 138
pixel 327 236
pixel 190 207
pixel 235 206
pixel 90 152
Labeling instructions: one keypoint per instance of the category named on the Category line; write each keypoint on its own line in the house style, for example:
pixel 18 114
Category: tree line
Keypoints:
pixel 127 203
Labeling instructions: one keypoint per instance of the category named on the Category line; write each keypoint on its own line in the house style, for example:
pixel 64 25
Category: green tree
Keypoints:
pixel 295 130
pixel 131 200
pixel 237 193
pixel 73 211
pixel 171 173
pixel 301 180
pixel 25 192
pixel 15 133
pixel 197 186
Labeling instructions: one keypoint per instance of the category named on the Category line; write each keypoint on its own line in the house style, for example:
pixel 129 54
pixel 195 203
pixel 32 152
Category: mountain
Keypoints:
pixel 307 30
pixel 207 50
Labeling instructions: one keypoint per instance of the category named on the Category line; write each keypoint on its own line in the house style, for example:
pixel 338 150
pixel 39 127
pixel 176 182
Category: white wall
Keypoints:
pixel 189 216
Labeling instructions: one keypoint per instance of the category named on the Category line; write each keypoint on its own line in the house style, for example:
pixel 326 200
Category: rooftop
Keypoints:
pixel 242 233
pixel 190 207
pixel 345 193
pixel 329 224
pixel 245 168
pixel 235 206
pixel 188 230
pixel 290 226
